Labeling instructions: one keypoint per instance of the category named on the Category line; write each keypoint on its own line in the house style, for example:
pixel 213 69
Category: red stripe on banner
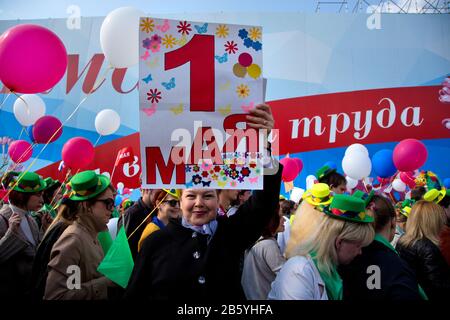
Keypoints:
pixel 368 116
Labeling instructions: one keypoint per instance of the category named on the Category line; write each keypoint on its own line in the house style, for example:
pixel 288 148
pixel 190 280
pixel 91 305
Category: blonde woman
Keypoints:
pixel 420 248
pixel 322 238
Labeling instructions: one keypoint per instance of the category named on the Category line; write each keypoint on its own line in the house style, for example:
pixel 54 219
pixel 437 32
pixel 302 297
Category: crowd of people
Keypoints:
pixel 219 245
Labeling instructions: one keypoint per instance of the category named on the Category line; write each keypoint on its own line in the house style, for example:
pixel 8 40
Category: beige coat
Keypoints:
pixel 77 247
pixel 16 256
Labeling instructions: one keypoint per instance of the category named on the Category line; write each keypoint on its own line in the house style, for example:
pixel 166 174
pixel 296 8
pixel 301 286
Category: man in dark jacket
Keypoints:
pixel 134 216
pixel 379 273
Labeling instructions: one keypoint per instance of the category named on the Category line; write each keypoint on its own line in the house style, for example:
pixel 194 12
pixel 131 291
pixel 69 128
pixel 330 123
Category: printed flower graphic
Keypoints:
pixel 205 174
pixel 154 95
pixel 206 165
pixel 188 169
pixel 234 174
pixel 146 43
pixel 257 45
pixel 243 34
pixel 248 42
pixel 214 177
pixel 217 169
pixel 196 179
pixel 245 172
pixel 196 168
pixel 233 184
pixel 254 33
pixel 182 41
pixel 147 25
pixel 156 38
pixel 169 41
pixel 184 27
pixel 231 47
pixel 252 165
pixel 241 179
pixel 222 31
pixel 243 91
pixel 155 46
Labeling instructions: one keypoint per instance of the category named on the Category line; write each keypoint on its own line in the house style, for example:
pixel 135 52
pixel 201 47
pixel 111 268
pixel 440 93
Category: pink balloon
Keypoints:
pixel 78 153
pixel 409 155
pixel 126 191
pixel 299 163
pixel 408 179
pixel 45 129
pixel 20 151
pixel 32 59
pixel 290 169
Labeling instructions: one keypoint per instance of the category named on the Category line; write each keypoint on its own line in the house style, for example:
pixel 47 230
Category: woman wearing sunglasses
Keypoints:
pixel 168 204
pixel 72 270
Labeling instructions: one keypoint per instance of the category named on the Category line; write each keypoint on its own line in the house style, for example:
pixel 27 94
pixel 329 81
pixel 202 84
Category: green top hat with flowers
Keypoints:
pixel 348 208
pixel 366 197
pixel 323 171
pixel 86 185
pixel 28 182
pixel 405 207
pixel 50 182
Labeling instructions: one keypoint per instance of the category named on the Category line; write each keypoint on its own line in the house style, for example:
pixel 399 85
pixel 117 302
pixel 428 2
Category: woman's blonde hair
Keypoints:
pixel 426 220
pixel 313 230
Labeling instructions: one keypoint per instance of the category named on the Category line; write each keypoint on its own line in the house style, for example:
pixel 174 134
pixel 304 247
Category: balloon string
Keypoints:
pixel 148 216
pixel 23 100
pixel 21 132
pixel 98 139
pixel 52 202
pixel 4 101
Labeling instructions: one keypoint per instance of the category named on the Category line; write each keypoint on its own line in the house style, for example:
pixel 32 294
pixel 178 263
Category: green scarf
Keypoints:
pixel 333 282
pixel 385 242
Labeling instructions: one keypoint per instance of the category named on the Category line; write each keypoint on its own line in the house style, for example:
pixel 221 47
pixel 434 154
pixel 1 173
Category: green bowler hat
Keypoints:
pixel 347 208
pixel 366 197
pixel 322 172
pixel 86 185
pixel 50 182
pixel 29 182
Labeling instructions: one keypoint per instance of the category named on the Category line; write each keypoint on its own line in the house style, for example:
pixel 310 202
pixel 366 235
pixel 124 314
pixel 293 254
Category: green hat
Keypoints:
pixel 322 172
pixel 50 182
pixel 29 182
pixel 349 208
pixel 405 207
pixel 86 185
pixel 366 197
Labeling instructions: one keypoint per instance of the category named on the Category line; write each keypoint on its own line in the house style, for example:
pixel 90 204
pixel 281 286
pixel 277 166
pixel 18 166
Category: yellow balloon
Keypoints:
pixel 239 71
pixel 254 71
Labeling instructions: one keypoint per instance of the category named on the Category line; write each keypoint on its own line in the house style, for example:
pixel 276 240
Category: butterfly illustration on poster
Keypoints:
pixel 199 79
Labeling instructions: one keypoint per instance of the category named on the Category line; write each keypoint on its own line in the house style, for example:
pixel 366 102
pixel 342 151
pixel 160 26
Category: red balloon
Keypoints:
pixel 290 169
pixel 409 155
pixel 20 151
pixel 32 59
pixel 45 129
pixel 408 179
pixel 78 153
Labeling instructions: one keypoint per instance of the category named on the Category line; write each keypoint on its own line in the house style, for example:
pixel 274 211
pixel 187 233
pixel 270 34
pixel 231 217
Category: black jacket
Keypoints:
pixel 433 273
pixel 397 280
pixel 131 219
pixel 176 263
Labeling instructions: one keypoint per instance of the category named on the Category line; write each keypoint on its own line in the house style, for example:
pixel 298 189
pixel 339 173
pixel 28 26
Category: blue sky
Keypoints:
pixel 27 9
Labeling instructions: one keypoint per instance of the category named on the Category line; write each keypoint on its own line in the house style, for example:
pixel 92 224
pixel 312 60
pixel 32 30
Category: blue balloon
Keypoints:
pixel 447 183
pixel 118 200
pixel 30 133
pixel 331 164
pixel 383 164
pixel 135 194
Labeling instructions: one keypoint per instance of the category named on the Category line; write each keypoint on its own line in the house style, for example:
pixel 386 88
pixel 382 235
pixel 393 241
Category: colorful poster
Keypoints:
pixel 197 82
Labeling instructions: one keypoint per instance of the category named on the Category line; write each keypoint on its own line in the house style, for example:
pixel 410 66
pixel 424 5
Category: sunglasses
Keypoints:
pixel 172 203
pixel 109 203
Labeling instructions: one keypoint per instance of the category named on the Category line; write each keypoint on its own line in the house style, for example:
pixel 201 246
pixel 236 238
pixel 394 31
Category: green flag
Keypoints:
pixel 118 262
pixel 105 240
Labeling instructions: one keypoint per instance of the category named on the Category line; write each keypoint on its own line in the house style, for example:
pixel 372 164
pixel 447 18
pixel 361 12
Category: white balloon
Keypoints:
pixel 27 113
pixel 107 122
pixel 119 37
pixel 310 180
pixel 296 194
pixel 357 165
pixel 398 185
pixel 351 183
pixel 356 147
pixel 120 187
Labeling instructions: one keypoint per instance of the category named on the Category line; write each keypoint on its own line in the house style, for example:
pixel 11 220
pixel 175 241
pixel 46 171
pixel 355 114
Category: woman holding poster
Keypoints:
pixel 197 257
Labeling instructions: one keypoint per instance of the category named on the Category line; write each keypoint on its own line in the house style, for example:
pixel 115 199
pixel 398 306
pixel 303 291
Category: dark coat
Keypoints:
pixel 433 273
pixel 397 280
pixel 131 219
pixel 177 263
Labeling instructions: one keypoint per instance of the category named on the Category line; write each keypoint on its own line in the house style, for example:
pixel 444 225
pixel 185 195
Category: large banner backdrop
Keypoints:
pixel 332 80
